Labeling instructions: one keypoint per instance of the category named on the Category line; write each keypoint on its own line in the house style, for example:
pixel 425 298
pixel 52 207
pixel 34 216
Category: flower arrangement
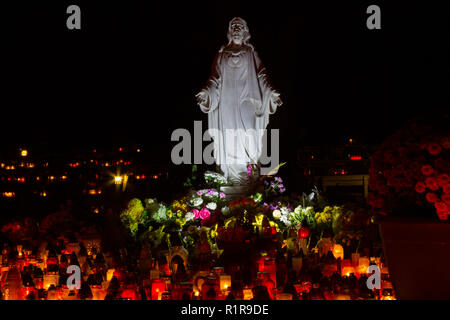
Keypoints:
pixel 265 214
pixel 410 172
pixel 274 186
pixel 206 205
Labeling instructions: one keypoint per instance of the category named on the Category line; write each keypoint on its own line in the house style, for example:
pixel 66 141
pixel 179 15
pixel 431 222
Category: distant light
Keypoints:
pixel 118 179
pixel 43 194
pixel 350 140
pixel 355 158
pixel 38 179
pixel 24 153
pixel 94 151
pixel 138 150
pixel 9 194
pixel 63 177
pixel 51 178
pixel 155 176
pixel 120 149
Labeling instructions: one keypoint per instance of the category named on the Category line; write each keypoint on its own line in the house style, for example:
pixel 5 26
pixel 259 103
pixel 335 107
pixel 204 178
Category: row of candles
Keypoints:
pixel 160 285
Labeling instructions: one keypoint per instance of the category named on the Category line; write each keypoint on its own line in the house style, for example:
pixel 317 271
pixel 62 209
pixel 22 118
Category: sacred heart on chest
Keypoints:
pixel 235 61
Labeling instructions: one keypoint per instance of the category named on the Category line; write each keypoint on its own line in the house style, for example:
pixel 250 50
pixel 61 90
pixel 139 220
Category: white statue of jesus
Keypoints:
pixel 238 98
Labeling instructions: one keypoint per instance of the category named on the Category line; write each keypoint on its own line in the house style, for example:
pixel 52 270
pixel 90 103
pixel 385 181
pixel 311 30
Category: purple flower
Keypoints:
pixel 282 190
pixel 272 184
pixel 222 195
pixel 211 192
pixel 199 192
pixel 278 179
pixel 266 183
pixel 249 170
pixel 281 186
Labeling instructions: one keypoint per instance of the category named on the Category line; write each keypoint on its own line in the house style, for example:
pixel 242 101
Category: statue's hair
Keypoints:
pixel 246 31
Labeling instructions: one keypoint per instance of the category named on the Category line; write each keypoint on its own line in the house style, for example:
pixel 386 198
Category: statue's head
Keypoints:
pixel 238 32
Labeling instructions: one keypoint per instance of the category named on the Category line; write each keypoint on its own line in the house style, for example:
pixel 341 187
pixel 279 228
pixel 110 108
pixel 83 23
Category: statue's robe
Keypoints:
pixel 239 99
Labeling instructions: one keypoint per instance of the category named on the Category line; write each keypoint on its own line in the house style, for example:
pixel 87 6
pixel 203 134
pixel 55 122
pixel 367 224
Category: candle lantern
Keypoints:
pixel 260 262
pixel 110 274
pixel 218 271
pixel 98 292
pixel 355 259
pixel 225 282
pixel 338 251
pixel 12 285
pixel 347 271
pixel 363 265
pixel 19 248
pixel 248 294
pixel 264 279
pixel 284 296
pixel 210 283
pixel 129 294
pixel 50 279
pixel 304 232
pixel 271 267
pixel 158 287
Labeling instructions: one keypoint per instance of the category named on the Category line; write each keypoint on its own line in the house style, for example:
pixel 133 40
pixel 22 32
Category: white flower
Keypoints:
pixel 309 210
pixel 298 209
pixel 276 214
pixel 225 210
pixel 189 216
pixel 197 201
pixel 285 211
pixel 211 206
pixel 285 220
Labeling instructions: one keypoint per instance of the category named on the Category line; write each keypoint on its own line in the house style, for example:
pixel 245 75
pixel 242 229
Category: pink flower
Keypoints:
pixel 199 192
pixel 196 213
pixel 222 195
pixel 204 213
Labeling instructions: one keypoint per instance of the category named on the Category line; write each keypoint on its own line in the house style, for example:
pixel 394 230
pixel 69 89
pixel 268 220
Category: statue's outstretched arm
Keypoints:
pixel 211 91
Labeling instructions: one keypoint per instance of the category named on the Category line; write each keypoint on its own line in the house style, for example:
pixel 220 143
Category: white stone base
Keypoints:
pixel 233 192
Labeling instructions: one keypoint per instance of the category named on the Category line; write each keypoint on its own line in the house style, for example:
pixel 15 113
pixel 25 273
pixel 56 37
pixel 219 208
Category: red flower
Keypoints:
pixel 446 188
pixel 443 179
pixel 431 197
pixel 434 149
pixel 445 197
pixel 427 170
pixel 441 207
pixel 431 184
pixel 420 187
pixel 442 215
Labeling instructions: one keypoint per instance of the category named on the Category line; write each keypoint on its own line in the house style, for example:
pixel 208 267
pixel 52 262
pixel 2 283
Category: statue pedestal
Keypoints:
pixel 233 192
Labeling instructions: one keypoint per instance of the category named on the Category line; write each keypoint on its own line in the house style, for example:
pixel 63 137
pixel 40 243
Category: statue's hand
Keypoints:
pixel 276 99
pixel 202 98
